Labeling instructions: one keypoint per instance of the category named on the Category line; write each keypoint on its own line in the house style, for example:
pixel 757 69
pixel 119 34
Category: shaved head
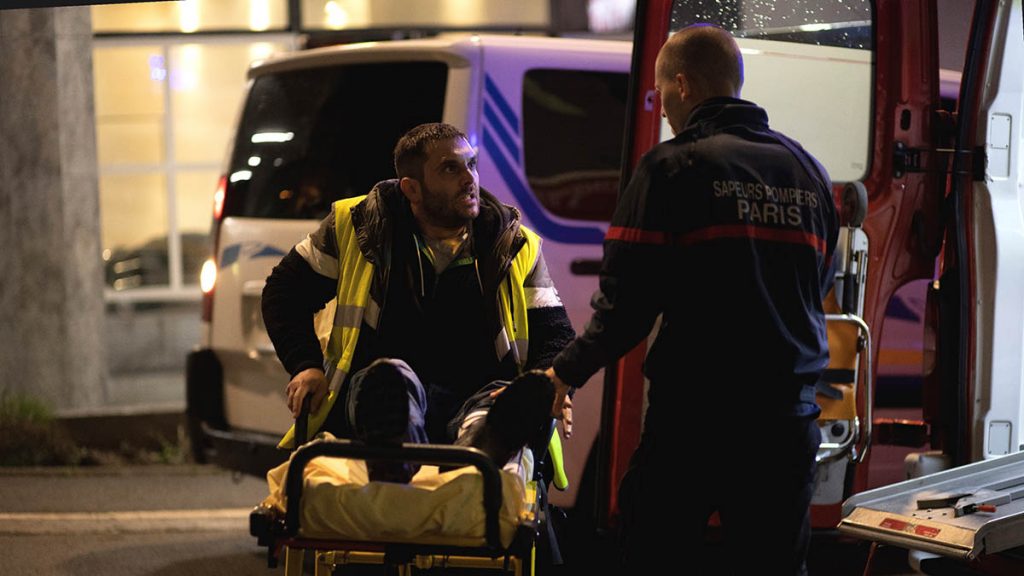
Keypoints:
pixel 696 63
pixel 709 58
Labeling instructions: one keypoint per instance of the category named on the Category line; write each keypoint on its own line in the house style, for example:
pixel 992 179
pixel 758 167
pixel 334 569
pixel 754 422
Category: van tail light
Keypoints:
pixel 207 281
pixel 208 275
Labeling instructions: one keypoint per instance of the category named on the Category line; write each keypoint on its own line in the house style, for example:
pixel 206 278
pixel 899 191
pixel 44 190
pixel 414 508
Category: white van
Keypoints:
pixel 547 116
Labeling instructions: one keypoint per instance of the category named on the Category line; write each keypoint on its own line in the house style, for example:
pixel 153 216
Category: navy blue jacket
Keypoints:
pixel 728 231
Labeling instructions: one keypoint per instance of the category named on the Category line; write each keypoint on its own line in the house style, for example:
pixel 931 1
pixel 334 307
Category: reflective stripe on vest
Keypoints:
pixel 355 275
pixel 514 335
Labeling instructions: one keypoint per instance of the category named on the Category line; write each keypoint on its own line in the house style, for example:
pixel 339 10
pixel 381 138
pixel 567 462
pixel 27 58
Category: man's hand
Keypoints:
pixel 562 408
pixel 309 381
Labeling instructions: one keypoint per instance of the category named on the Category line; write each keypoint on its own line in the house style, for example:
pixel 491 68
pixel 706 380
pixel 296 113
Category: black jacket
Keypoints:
pixel 728 231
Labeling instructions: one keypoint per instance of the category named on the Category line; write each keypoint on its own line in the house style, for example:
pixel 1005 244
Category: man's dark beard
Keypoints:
pixel 442 215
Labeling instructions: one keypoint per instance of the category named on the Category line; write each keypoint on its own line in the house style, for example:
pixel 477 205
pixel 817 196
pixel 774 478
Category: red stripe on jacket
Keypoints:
pixel 640 236
pixel 637 235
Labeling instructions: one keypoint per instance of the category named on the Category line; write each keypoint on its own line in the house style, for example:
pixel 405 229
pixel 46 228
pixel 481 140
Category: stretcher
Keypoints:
pixel 472 515
pixel 966 513
pixel 847 384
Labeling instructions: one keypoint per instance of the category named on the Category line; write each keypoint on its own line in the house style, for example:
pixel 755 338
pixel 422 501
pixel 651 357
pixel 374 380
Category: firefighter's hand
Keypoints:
pixel 562 408
pixel 309 381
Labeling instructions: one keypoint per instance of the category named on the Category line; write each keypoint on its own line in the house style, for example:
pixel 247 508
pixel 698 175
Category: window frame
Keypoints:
pixel 168 167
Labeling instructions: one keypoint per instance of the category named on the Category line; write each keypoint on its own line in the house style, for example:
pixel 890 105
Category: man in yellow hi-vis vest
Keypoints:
pixel 428 269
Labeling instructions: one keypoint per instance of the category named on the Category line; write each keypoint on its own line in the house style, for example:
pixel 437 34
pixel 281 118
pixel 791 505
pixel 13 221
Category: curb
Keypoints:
pixel 146 428
pixel 152 521
pixel 115 470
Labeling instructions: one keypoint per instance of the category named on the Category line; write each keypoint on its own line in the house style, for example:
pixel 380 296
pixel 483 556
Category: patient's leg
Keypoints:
pixel 386 405
pixel 501 425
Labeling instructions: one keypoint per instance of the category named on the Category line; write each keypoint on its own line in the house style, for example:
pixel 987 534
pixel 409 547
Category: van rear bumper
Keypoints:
pixel 212 440
pixel 247 452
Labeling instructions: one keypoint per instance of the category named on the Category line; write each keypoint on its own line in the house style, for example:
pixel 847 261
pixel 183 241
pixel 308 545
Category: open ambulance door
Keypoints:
pixel 976 310
pixel 856 82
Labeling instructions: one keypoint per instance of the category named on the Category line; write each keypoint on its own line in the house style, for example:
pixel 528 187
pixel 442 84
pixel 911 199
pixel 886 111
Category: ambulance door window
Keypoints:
pixel 809 64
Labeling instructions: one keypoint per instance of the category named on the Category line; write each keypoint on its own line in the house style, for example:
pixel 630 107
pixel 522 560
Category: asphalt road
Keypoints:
pixel 157 554
pixel 193 521
pixel 132 520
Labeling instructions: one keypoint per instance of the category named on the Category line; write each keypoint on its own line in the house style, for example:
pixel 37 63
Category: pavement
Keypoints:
pixel 163 520
pixel 151 519
pixel 128 520
pixel 153 497
pixel 141 410
pixel 159 519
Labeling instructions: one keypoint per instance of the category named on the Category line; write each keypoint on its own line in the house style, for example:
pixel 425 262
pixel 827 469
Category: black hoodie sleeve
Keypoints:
pixel 293 294
pixel 550 329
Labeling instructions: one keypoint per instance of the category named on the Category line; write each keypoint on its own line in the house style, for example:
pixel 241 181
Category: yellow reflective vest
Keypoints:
pixel 355 306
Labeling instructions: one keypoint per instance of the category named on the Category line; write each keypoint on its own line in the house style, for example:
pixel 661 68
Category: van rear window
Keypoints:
pixel 310 137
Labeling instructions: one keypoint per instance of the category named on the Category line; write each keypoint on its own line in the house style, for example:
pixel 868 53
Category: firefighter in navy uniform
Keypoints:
pixel 727 231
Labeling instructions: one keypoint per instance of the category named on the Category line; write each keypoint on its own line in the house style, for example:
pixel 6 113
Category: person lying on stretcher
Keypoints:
pixel 387 405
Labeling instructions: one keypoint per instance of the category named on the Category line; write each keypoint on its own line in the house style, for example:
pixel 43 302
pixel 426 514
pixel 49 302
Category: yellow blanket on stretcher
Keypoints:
pixel 339 503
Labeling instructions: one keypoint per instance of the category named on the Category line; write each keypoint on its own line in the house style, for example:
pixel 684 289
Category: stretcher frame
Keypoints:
pixel 281 534
pixel 845 428
pixel 914 515
pixel 857 443
pixel 850 278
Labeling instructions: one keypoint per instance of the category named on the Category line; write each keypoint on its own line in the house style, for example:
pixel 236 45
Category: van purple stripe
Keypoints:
pixel 503 135
pixel 492 90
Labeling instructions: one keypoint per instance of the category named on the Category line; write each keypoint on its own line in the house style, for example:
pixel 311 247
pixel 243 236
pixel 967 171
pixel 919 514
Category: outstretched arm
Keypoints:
pixel 633 282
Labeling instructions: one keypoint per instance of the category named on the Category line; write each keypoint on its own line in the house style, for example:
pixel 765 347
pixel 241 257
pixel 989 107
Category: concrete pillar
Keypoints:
pixel 51 284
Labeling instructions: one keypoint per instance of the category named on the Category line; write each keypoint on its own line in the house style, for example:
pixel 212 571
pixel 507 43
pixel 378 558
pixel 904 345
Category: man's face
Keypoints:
pixel 668 87
pixel 450 186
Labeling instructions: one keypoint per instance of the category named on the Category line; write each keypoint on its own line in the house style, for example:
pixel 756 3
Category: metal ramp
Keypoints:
pixel 962 513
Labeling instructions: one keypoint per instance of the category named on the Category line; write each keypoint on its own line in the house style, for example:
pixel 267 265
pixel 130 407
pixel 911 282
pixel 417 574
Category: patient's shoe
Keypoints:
pixel 523 409
pixel 385 407
pixel 519 414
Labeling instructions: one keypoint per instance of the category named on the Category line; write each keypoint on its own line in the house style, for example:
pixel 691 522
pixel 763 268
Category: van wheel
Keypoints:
pixel 204 399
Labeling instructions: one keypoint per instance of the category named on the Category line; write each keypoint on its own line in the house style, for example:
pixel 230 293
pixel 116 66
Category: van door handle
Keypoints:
pixel 253 288
pixel 252 299
pixel 585 267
